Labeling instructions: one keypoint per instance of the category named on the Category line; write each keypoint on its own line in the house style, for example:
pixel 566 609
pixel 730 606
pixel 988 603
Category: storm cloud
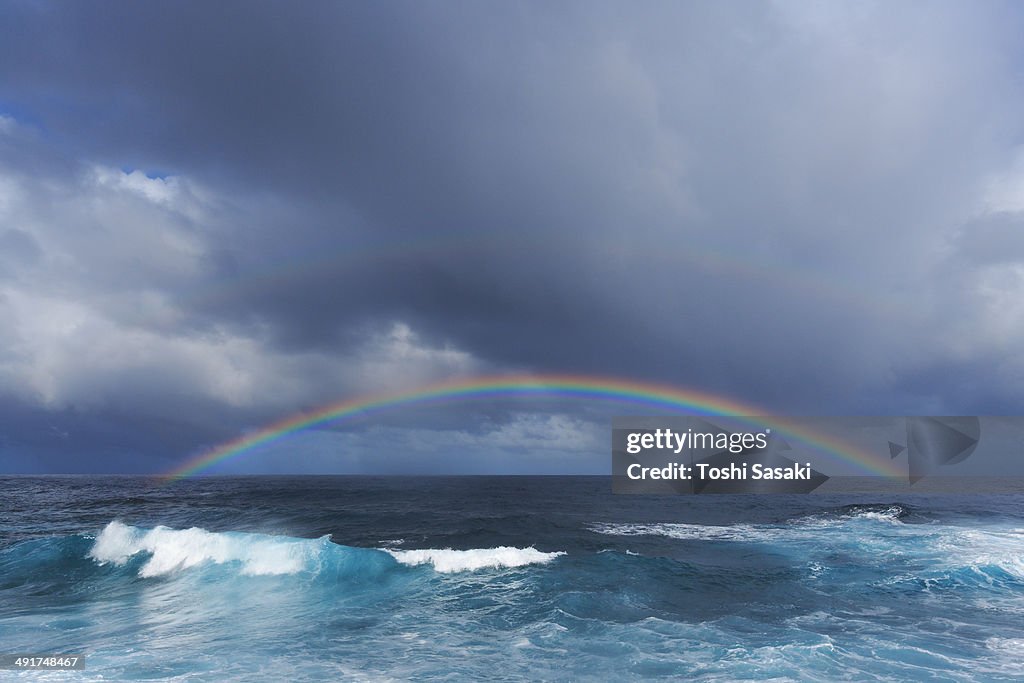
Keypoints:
pixel 213 216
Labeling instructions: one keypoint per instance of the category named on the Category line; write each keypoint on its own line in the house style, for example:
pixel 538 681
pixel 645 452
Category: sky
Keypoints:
pixel 217 215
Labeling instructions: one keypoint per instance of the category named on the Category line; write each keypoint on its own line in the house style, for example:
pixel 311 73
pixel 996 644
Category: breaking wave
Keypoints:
pixel 448 561
pixel 174 550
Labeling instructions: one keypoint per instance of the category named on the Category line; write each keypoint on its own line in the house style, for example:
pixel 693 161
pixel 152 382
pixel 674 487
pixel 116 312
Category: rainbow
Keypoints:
pixel 656 396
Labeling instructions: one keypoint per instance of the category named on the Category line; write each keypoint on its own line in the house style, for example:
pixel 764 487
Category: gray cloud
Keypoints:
pixel 214 216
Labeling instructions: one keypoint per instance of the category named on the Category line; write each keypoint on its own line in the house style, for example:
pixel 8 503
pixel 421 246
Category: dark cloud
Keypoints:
pixel 215 215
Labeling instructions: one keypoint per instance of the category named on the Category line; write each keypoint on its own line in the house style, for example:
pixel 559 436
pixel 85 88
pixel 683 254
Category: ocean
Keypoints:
pixel 532 578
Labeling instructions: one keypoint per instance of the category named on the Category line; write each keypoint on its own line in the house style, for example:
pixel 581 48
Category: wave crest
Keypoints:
pixel 449 561
pixel 174 549
pixel 685 532
pixel 889 512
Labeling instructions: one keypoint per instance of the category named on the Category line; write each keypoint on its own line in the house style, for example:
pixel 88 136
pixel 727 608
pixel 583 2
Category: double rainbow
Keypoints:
pixel 656 396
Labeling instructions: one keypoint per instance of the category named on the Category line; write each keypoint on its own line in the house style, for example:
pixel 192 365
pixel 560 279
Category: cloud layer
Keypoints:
pixel 211 217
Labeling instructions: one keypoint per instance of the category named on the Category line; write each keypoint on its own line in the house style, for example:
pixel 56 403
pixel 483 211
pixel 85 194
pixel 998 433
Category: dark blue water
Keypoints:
pixel 309 578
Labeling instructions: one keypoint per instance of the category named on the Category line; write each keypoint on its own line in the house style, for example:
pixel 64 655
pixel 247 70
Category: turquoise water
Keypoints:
pixel 535 578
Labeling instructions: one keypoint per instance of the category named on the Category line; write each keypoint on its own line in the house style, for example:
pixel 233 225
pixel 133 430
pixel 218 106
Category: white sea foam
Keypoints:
pixel 681 531
pixel 890 514
pixel 975 548
pixel 448 561
pixel 802 526
pixel 1014 646
pixel 172 550
pixel 945 547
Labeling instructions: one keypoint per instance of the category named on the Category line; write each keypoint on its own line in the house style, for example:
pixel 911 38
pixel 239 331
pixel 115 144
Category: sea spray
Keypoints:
pixel 449 561
pixel 175 550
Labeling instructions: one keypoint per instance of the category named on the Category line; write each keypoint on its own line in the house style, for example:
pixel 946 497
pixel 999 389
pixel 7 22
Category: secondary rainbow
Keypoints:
pixel 658 396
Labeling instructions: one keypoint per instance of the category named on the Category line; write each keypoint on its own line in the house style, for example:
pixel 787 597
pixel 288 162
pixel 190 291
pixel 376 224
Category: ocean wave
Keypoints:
pixel 683 531
pixel 978 550
pixel 448 561
pixel 1014 646
pixel 886 512
pixel 938 556
pixel 889 513
pixel 172 550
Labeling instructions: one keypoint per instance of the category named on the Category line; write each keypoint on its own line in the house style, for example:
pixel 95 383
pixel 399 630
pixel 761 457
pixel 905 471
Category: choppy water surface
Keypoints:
pixel 308 578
